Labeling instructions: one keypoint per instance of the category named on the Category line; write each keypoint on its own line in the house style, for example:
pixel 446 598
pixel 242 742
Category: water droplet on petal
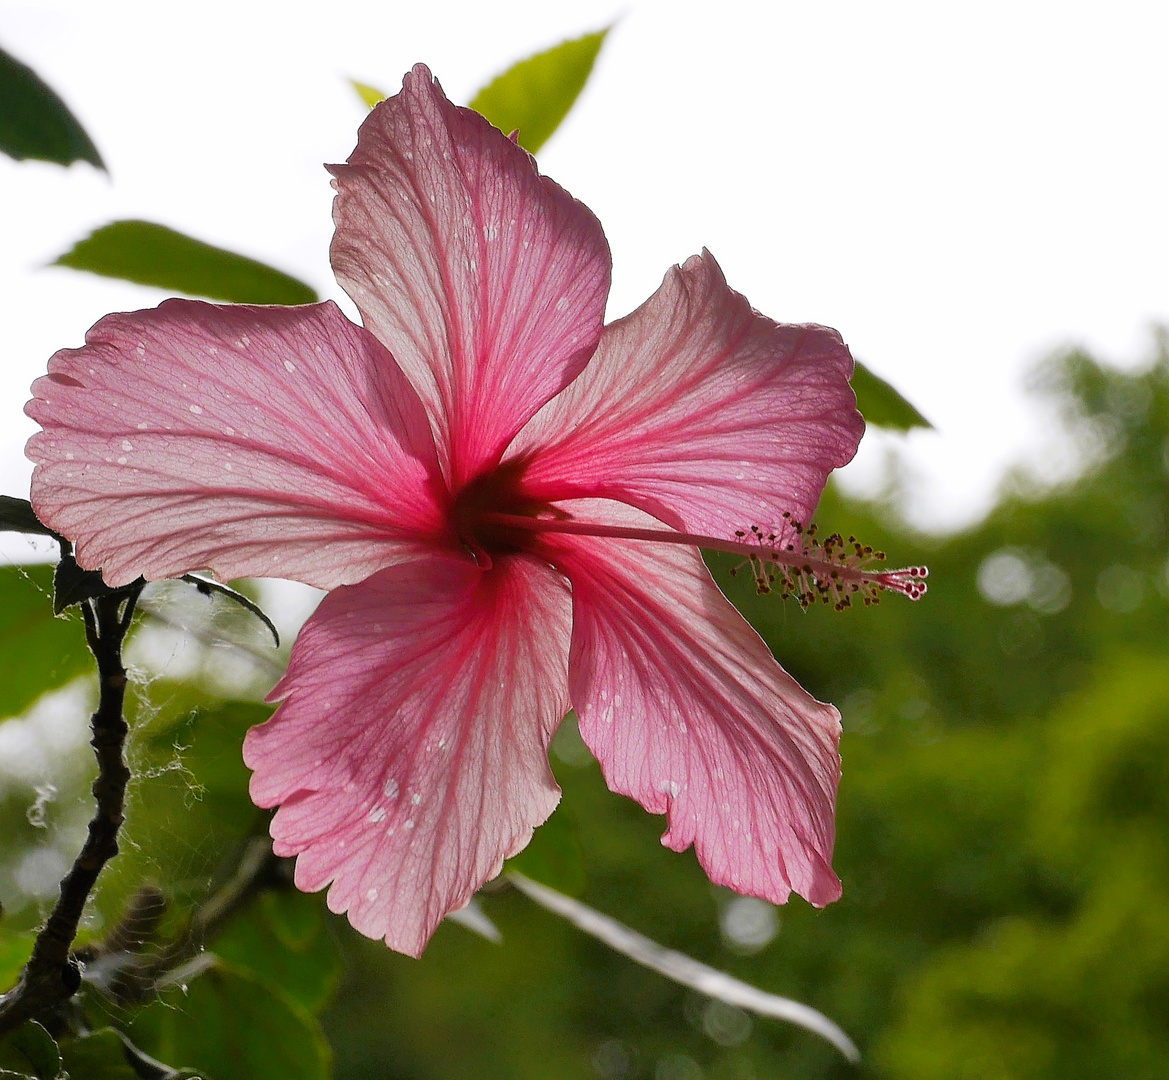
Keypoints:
pixel 371 894
pixel 391 788
pixel 289 366
pixel 196 410
pixel 378 813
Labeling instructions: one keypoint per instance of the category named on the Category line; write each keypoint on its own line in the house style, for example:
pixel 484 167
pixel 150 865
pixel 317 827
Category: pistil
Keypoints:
pixel 794 562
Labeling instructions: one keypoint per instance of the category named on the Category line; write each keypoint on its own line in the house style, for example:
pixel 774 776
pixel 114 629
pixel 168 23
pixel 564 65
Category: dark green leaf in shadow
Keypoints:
pixel 235 1028
pixel 881 405
pixel 35 122
pixel 554 856
pixel 150 254
pixel 285 941
pixel 16 516
pixel 30 1051
pixel 98 1056
pixel 38 651
pixel 534 96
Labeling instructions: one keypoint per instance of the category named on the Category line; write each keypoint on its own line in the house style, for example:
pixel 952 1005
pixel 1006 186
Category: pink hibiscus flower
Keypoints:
pixel 506 498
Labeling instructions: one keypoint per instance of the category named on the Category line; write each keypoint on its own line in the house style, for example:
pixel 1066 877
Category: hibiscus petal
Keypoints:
pixel 486 280
pixel 410 753
pixel 244 440
pixel 688 713
pixel 700 411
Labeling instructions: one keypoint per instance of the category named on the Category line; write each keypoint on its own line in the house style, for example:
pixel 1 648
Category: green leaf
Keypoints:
pixel 16 516
pixel 285 941
pixel 881 405
pixel 104 1055
pixel 98 1056
pixel 150 254
pixel 35 123
pixel 30 1051
pixel 554 857
pixel 235 1028
pixel 536 94
pixel 371 95
pixel 38 651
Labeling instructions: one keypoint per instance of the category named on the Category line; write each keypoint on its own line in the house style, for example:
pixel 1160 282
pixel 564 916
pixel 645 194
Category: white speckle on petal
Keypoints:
pixel 229 431
pixel 127 445
pixel 371 894
pixel 69 457
pixel 289 366
pixel 409 823
pixel 416 798
pixel 143 426
pixel 682 729
pixel 562 303
pixel 391 788
pixel 670 787
pixel 196 410
pixel 122 460
pixel 378 813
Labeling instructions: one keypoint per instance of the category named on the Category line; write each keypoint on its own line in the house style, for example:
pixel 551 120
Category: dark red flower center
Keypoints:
pixel 478 506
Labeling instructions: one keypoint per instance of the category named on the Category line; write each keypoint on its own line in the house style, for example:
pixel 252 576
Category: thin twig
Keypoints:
pixel 684 969
pixel 52 975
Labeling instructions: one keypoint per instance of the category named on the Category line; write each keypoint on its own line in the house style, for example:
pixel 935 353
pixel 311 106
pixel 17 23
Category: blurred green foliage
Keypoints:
pixel 1002 836
pixel 1002 825
pixel 39 651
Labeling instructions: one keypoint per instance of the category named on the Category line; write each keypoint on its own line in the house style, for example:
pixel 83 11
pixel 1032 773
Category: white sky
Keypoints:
pixel 958 189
